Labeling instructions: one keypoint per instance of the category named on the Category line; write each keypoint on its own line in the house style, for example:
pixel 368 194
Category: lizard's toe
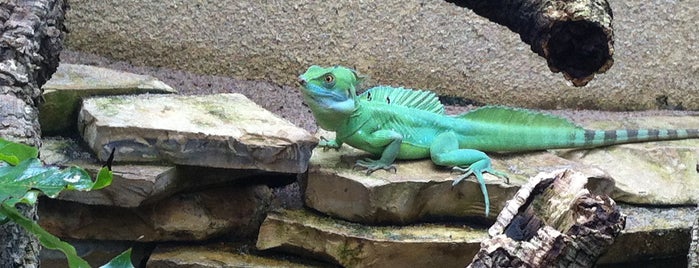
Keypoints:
pixel 373 165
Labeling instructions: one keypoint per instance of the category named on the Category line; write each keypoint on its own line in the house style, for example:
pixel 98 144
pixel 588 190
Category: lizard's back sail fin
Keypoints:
pixel 517 117
pixel 419 99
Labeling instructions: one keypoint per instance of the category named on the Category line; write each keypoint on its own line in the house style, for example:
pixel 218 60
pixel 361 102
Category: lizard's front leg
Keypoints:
pixel 445 151
pixel 329 144
pixel 390 141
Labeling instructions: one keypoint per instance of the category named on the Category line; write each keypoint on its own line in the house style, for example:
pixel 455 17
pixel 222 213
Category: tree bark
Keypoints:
pixel 31 40
pixel 574 36
pixel 562 219
pixel 693 255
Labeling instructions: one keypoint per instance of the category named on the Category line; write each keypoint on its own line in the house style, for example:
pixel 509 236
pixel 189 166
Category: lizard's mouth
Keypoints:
pixel 319 94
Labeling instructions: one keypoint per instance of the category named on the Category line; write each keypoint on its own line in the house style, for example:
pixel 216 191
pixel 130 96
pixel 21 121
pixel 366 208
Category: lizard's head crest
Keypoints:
pixel 330 93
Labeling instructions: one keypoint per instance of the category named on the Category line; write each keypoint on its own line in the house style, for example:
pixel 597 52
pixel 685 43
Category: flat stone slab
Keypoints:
pixel 649 234
pixel 214 255
pixel 72 82
pixel 419 190
pixel 134 185
pixel 652 173
pixel 222 130
pixel 233 211
pixel 355 245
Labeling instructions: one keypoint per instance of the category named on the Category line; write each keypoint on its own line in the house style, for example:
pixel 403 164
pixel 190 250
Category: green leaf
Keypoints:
pixel 47 239
pixel 13 153
pixel 23 177
pixel 104 178
pixel 30 174
pixel 121 261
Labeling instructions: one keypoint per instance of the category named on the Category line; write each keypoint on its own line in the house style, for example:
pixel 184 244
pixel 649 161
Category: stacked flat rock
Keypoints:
pixel 186 168
pixel 71 83
pixel 221 131
pixel 649 173
pixel 420 192
pixel 201 140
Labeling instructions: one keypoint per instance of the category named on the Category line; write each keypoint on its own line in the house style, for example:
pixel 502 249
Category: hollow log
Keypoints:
pixel 574 36
pixel 560 219
pixel 31 40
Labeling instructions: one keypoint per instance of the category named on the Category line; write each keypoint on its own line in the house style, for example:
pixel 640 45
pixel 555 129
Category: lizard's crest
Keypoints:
pixel 417 99
pixel 330 93
pixel 517 117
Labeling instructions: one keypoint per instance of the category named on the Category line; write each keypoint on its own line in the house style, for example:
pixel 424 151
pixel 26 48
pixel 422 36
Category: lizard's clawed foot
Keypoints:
pixel 477 169
pixel 372 165
pixel 328 144
pixel 465 172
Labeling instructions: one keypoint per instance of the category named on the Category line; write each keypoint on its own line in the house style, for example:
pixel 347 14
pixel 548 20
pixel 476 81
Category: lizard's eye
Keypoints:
pixel 329 79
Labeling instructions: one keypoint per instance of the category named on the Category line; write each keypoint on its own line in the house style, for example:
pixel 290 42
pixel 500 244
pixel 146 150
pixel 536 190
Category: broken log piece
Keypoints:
pixel 558 219
pixel 575 36
pixel 693 255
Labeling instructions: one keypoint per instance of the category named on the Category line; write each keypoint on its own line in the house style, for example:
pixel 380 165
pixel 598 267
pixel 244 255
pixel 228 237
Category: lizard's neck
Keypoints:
pixel 330 115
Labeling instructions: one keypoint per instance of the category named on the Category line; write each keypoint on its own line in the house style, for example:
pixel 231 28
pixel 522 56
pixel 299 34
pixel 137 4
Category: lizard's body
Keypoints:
pixel 398 123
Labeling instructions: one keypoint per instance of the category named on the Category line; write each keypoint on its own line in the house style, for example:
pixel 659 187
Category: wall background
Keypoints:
pixel 419 44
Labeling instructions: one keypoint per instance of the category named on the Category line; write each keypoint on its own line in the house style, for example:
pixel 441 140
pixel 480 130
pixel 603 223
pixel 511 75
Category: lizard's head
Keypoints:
pixel 330 93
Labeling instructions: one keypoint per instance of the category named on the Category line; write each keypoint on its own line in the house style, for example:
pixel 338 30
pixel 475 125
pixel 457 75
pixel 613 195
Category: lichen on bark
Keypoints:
pixel 31 40
pixel 574 36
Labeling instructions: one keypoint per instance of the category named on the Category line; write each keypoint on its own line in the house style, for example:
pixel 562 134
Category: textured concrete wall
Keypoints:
pixel 419 44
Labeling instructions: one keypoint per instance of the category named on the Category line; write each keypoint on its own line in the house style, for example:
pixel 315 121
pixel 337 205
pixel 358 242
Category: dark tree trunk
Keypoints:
pixel 32 38
pixel 557 220
pixel 574 36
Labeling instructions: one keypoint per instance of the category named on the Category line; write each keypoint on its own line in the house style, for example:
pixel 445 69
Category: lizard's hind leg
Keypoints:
pixel 445 151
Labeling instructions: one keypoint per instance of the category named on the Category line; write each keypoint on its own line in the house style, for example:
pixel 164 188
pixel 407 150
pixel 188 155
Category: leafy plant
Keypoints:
pixel 23 178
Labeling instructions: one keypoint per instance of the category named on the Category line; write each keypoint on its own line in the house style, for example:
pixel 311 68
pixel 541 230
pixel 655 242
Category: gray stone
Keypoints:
pixel 71 83
pixel 656 173
pixel 651 233
pixel 431 45
pixel 220 255
pixel 223 130
pixel 653 173
pixel 418 190
pixel 233 211
pixel 135 185
pixel 355 245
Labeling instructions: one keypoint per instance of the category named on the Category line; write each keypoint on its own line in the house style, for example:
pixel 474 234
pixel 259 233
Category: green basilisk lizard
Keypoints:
pixel 398 123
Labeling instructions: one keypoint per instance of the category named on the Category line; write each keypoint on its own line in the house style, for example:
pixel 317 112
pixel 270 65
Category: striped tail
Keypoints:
pixel 593 138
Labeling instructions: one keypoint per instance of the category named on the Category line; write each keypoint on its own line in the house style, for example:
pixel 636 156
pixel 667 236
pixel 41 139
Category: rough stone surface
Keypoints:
pixel 433 45
pixel 650 234
pixel 651 173
pixel 233 211
pixel 354 245
pixel 220 255
pixel 135 185
pixel 72 82
pixel 222 130
pixel 419 190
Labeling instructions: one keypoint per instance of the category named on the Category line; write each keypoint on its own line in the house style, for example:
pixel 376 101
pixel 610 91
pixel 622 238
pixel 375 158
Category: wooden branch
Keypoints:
pixel 562 219
pixel 31 40
pixel 574 36
pixel 693 255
